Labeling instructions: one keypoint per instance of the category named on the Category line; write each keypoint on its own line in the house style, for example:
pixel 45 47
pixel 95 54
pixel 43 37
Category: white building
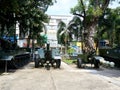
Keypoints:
pixel 52 27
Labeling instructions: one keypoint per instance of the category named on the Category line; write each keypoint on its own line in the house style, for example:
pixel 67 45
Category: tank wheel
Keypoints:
pixel 58 63
pixel 79 63
pixel 15 63
pixel 47 66
pixel 41 64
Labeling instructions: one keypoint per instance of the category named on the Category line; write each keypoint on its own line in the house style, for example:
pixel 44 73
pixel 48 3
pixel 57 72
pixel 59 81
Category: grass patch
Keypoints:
pixel 69 61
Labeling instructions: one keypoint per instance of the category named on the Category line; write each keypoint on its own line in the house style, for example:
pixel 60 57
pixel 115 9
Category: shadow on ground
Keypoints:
pixel 108 72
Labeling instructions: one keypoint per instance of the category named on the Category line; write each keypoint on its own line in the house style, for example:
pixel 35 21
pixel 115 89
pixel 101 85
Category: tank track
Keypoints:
pixel 17 61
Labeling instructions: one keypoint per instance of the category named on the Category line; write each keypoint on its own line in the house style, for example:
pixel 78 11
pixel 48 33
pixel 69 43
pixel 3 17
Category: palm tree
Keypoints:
pixel 75 28
pixel 65 32
pixel 60 33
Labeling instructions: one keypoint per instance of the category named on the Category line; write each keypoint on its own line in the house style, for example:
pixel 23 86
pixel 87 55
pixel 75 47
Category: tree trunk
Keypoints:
pixel 89 43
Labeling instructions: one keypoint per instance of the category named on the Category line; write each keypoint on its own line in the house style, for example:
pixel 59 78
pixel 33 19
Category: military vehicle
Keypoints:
pixel 111 54
pixel 47 57
pixel 92 59
pixel 11 53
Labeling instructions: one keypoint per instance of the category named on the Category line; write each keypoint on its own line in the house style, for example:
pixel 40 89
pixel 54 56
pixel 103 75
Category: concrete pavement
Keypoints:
pixel 66 78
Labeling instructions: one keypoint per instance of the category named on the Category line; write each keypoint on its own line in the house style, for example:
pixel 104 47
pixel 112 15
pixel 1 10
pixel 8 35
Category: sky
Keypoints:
pixel 62 7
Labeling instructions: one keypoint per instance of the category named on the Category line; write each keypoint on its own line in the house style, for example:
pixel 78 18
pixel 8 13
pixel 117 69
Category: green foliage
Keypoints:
pixel 42 39
pixel 29 13
pixel 91 11
pixel 8 6
pixel 60 33
pixel 70 50
pixel 109 26
pixel 34 14
pixel 90 7
pixel 75 28
pixel 69 61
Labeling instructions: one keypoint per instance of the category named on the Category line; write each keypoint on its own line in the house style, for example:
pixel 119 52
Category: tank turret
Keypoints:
pixel 8 45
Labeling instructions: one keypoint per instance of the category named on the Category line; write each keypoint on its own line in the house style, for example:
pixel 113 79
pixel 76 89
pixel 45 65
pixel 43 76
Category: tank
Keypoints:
pixel 111 54
pixel 11 53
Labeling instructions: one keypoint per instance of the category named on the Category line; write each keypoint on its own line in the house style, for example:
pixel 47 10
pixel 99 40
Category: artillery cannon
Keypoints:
pixel 89 52
pixel 15 56
pixel 89 59
pixel 47 58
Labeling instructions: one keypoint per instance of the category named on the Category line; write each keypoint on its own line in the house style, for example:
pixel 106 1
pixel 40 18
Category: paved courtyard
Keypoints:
pixel 66 78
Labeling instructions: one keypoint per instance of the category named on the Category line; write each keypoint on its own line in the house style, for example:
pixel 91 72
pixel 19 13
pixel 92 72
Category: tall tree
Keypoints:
pixel 29 13
pixel 90 11
pixel 7 16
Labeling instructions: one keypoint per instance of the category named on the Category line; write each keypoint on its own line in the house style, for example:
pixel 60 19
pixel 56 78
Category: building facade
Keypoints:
pixel 52 27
